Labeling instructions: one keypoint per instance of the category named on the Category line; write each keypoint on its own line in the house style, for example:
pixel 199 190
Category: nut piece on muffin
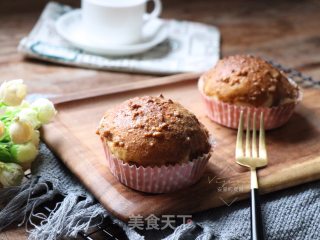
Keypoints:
pixel 249 84
pixel 249 81
pixel 154 145
pixel 153 131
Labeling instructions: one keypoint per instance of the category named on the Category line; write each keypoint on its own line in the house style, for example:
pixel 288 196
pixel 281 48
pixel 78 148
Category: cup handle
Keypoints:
pixel 155 13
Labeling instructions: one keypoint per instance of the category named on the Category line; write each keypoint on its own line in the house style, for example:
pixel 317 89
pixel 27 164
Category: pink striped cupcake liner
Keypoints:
pixel 156 179
pixel 229 114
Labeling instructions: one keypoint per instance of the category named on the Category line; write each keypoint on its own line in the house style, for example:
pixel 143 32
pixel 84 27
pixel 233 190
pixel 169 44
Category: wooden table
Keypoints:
pixel 287 31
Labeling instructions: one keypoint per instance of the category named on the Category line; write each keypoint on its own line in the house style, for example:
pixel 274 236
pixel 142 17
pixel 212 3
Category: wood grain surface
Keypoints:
pixel 287 31
pixel 293 152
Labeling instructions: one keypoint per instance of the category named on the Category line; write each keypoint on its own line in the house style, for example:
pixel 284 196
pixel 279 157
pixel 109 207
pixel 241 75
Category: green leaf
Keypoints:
pixel 5 155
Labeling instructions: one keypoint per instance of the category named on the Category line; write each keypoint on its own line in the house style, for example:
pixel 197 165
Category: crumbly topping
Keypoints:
pixel 249 80
pixel 153 131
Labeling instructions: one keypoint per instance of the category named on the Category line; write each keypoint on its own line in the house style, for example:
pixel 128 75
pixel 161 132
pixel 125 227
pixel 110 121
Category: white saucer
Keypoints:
pixel 69 27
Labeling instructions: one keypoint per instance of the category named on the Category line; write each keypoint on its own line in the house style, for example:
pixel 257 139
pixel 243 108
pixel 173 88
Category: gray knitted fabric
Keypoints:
pixel 290 214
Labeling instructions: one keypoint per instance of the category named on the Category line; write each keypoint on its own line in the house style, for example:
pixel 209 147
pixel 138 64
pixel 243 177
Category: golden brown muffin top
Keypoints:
pixel 153 131
pixel 248 80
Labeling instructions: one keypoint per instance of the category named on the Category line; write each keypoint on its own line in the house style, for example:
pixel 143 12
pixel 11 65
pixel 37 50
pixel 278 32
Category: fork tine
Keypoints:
pixel 262 143
pixel 239 147
pixel 248 152
pixel 254 137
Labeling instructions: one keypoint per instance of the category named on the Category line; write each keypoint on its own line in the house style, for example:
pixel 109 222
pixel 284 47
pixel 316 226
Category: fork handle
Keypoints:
pixel 257 230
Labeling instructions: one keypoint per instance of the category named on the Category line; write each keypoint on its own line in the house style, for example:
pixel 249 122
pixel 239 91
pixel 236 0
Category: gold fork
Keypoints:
pixel 253 158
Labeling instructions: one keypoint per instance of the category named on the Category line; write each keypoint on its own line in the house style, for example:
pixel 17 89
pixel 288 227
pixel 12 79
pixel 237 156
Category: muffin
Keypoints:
pixel 153 144
pixel 249 84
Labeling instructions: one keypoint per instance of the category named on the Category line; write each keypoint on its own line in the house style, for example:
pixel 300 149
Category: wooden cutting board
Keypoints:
pixel 293 150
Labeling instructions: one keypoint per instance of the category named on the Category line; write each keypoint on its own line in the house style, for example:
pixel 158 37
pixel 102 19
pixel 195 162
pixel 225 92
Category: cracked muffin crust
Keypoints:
pixel 153 131
pixel 248 81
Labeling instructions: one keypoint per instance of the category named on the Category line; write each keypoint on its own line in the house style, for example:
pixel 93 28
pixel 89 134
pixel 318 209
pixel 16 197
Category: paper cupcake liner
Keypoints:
pixel 229 114
pixel 156 179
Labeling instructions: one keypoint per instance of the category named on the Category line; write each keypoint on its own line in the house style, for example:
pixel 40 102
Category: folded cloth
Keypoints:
pixel 292 214
pixel 190 47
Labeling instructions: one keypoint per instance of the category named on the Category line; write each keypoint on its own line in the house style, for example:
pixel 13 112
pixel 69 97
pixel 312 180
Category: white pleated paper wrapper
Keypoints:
pixel 157 179
pixel 229 114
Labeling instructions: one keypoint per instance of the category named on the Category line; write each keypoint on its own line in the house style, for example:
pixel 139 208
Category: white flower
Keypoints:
pixel 11 174
pixel 20 132
pixel 45 109
pixel 13 92
pixel 24 153
pixel 30 116
pixel 35 139
pixel 24 104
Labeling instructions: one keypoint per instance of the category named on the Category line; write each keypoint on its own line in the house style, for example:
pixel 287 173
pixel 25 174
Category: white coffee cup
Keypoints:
pixel 117 22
